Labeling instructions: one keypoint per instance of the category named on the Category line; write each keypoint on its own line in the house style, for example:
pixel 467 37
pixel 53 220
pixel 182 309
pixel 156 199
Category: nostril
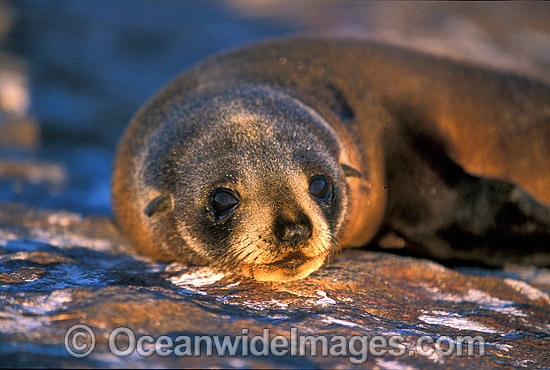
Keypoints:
pixel 295 234
pixel 292 231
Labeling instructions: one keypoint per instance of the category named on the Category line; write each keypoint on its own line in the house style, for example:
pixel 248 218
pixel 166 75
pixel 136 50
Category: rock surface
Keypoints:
pixel 60 269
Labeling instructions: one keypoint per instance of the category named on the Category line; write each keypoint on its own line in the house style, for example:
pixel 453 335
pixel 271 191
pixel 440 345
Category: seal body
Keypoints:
pixel 268 159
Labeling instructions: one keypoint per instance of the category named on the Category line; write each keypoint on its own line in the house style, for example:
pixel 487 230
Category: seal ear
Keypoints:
pixel 350 171
pixel 162 203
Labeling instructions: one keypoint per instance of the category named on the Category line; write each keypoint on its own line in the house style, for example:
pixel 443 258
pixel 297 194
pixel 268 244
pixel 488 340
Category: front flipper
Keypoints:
pixel 500 223
pixel 487 221
pixel 446 214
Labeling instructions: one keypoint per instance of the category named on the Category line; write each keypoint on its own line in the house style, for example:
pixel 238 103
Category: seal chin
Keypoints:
pixel 293 266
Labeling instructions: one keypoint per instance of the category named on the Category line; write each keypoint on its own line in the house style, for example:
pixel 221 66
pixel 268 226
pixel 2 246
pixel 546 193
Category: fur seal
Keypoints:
pixel 268 159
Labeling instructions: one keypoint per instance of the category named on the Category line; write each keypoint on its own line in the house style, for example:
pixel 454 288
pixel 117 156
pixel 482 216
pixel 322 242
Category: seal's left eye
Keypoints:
pixel 223 201
pixel 320 188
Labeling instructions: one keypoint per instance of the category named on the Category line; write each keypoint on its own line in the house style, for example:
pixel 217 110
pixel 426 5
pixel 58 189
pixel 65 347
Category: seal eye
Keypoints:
pixel 319 188
pixel 223 201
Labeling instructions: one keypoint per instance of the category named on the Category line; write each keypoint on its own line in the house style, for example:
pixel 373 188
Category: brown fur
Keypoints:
pixel 445 149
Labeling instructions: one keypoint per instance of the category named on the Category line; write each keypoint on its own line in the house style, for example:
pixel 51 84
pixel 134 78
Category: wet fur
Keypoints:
pixel 449 158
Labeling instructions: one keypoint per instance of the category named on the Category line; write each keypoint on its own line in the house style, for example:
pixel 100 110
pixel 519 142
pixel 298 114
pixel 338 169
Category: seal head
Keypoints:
pixel 251 181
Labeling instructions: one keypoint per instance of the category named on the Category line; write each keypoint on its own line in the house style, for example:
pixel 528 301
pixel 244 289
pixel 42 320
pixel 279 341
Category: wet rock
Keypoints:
pixel 17 128
pixel 16 132
pixel 51 174
pixel 21 275
pixel 14 89
pixel 60 269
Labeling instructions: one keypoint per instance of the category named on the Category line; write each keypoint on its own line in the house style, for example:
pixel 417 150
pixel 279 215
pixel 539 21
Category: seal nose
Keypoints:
pixel 293 232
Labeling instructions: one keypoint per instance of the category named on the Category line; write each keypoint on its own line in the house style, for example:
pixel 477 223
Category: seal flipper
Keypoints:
pixel 477 220
pixel 505 223
pixel 445 213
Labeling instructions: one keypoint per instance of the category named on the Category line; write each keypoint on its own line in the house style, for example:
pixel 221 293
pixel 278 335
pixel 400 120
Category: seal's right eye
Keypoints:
pixel 223 201
pixel 320 188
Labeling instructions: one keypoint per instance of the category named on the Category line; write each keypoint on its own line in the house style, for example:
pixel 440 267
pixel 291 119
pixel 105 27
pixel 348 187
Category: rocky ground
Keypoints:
pixel 71 76
pixel 59 269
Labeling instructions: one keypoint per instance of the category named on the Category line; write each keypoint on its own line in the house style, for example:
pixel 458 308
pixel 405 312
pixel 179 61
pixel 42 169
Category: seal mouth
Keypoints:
pixel 291 260
pixel 292 266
